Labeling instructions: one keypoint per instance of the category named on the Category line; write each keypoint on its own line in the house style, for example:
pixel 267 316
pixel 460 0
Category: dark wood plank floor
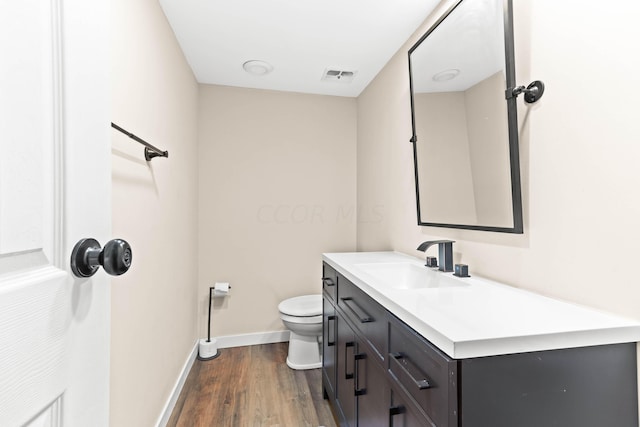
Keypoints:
pixel 251 386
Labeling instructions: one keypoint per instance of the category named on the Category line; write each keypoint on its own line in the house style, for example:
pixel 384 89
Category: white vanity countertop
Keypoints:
pixel 475 317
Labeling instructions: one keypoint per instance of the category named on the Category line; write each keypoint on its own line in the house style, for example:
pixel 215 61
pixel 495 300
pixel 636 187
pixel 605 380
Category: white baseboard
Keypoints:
pixel 177 388
pixel 227 341
pixel 252 339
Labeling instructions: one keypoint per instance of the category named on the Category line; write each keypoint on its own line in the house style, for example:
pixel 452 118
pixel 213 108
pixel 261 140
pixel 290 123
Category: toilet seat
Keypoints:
pixel 302 306
pixel 301 319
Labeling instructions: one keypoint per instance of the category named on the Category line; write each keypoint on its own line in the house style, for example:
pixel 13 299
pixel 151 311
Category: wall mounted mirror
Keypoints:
pixel 465 136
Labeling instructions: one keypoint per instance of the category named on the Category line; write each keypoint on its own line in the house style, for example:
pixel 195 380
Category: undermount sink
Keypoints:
pixel 404 275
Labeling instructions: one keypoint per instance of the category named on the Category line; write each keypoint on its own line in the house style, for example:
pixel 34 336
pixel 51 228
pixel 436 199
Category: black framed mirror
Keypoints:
pixel 465 133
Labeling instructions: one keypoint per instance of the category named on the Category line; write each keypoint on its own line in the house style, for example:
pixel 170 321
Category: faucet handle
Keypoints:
pixel 461 270
pixel 431 262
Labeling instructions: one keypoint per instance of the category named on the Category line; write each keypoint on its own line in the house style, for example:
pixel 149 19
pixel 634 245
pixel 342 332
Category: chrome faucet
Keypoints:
pixel 445 253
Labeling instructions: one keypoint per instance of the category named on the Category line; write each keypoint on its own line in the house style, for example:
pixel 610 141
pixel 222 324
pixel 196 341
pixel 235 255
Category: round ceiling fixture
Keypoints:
pixel 445 75
pixel 257 68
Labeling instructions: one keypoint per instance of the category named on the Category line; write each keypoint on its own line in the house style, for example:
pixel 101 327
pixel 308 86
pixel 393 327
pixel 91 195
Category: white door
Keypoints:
pixel 54 190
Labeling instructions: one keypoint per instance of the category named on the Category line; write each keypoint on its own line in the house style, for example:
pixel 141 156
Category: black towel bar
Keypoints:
pixel 149 150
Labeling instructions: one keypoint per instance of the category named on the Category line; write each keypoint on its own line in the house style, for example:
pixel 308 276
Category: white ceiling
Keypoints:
pixel 300 38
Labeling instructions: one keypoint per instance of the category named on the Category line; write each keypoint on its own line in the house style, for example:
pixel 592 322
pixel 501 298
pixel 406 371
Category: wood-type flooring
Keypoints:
pixel 251 387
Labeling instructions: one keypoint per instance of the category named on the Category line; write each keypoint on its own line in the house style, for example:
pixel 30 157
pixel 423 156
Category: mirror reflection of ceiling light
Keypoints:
pixel 445 75
pixel 257 68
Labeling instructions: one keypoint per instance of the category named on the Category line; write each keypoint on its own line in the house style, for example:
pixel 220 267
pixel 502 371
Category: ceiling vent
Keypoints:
pixel 338 76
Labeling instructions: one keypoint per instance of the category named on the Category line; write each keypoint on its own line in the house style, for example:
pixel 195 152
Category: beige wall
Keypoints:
pixel 153 317
pixel 277 189
pixel 579 156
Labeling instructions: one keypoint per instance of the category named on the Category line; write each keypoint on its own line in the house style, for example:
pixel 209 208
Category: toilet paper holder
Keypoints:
pixel 208 350
pixel 220 289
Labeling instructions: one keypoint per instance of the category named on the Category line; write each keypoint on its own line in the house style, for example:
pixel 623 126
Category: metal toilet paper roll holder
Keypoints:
pixel 213 293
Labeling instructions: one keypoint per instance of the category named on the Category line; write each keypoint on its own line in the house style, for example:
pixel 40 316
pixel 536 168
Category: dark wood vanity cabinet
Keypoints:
pixel 573 387
pixel 354 378
pixel 355 372
pixel 377 371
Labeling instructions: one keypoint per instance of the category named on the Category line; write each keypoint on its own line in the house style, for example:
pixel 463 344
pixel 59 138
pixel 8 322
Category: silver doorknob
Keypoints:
pixel 87 257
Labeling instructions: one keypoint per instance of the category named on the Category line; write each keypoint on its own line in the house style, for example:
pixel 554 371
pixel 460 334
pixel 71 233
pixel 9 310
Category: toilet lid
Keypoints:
pixel 306 305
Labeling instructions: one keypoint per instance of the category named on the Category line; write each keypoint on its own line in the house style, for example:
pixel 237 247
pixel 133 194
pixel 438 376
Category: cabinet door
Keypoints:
pixel 329 347
pixel 372 389
pixel 345 370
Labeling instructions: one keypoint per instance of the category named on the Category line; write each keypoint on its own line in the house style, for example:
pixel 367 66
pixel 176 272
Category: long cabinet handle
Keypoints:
pixel 355 309
pixel 330 342
pixel 348 376
pixel 328 281
pixel 406 366
pixel 357 357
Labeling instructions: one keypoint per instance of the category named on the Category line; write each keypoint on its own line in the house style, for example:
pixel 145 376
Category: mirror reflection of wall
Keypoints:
pixel 461 121
pixel 463 154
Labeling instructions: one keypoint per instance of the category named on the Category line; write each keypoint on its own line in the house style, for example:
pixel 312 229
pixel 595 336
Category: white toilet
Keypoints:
pixel 303 317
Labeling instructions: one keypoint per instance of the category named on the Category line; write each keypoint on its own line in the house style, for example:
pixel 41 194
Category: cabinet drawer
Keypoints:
pixel 329 281
pixel 424 373
pixel 367 315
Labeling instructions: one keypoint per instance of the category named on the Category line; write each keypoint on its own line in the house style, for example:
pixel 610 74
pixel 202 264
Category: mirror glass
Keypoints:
pixel 464 129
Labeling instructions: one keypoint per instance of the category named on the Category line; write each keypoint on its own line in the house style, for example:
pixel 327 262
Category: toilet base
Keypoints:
pixel 304 352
